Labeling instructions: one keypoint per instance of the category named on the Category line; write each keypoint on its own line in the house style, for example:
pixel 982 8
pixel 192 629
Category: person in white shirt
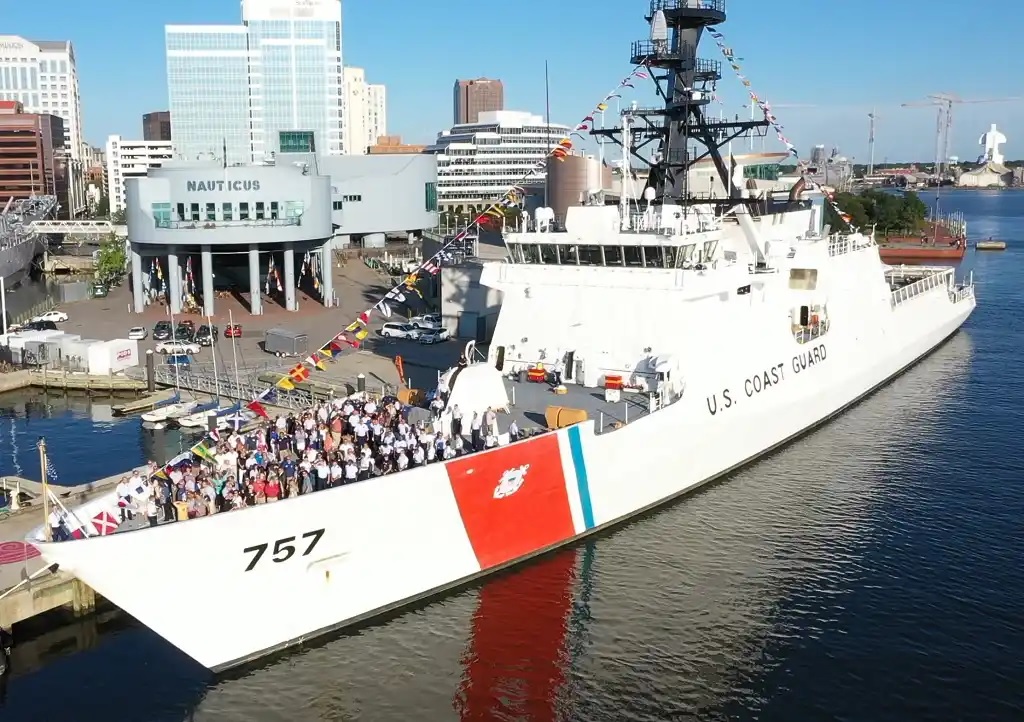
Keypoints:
pixel 124 499
pixel 336 473
pixel 351 471
pixel 418 457
pixel 56 522
pixel 403 461
pixel 151 511
pixel 513 431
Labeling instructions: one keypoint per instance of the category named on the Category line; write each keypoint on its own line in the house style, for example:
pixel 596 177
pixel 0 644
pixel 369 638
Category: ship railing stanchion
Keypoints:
pixel 513 395
pixel 600 428
pixel 625 405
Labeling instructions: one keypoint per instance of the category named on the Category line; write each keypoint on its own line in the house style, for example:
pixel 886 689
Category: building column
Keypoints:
pixel 207 264
pixel 327 282
pixel 138 292
pixel 174 279
pixel 289 278
pixel 255 300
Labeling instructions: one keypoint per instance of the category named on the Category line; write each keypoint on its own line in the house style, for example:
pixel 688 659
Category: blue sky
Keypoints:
pixel 840 58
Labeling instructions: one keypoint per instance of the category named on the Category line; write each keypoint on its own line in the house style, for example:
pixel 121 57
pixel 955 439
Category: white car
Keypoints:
pixel 399 330
pixel 429 322
pixel 137 333
pixel 430 337
pixel 55 316
pixel 177 348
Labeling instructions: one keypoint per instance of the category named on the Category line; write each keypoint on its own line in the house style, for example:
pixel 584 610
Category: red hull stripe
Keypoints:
pixel 513 499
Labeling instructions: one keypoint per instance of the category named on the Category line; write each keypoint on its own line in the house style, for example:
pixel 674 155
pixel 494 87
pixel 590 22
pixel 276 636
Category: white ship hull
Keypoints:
pixel 353 552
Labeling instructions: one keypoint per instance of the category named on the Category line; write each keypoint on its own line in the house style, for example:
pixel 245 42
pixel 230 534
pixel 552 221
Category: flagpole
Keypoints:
pixel 234 357
pixel 547 115
pixel 213 352
pixel 47 533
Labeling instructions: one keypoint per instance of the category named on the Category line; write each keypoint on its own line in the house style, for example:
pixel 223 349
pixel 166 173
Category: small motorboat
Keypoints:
pixel 171 411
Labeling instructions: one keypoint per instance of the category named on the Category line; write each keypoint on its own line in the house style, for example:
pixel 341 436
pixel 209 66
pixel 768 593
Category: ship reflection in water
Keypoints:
pixel 702 610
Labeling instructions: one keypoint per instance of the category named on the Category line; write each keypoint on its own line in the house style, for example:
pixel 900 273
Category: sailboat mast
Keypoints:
pixel 234 357
pixel 213 353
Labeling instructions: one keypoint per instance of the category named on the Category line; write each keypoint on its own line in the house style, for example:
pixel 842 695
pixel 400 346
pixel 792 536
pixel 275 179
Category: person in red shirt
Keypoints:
pixel 259 489
pixel 273 490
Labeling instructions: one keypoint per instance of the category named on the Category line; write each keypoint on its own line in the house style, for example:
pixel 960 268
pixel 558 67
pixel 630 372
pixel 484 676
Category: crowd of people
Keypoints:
pixel 333 443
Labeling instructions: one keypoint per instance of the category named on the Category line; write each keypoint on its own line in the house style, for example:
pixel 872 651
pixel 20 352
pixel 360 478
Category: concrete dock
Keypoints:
pixel 19 560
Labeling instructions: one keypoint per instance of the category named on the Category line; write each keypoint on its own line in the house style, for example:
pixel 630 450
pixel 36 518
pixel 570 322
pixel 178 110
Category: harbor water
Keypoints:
pixel 869 572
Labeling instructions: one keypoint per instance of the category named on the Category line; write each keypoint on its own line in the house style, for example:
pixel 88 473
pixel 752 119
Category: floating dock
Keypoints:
pixel 990 245
pixel 145 403
pixel 70 381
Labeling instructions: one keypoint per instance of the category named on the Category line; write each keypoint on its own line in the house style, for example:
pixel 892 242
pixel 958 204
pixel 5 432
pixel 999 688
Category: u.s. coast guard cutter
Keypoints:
pixel 692 336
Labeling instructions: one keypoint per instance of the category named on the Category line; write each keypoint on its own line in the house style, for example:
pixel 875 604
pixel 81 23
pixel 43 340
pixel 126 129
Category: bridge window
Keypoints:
pixel 803 279
pixel 548 254
pixel 530 253
pixel 654 256
pixel 613 255
pixel 589 255
pixel 634 257
pixel 569 255
pixel 684 255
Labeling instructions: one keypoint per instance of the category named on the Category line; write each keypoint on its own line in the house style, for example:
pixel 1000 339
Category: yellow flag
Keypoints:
pixel 602 107
pixel 325 353
pixel 354 326
pixel 362 333
pixel 493 212
pixel 319 363
pixel 285 384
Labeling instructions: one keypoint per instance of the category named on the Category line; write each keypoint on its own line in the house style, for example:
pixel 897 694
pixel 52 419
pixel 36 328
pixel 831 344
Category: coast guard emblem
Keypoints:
pixel 511 481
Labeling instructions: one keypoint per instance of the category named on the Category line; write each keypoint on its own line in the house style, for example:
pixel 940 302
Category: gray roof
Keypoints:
pixel 58 46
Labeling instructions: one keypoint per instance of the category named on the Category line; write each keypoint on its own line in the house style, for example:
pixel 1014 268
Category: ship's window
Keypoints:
pixel 685 254
pixel 654 256
pixel 613 255
pixel 530 253
pixel 803 279
pixel 569 255
pixel 548 254
pixel 709 249
pixel 633 256
pixel 589 255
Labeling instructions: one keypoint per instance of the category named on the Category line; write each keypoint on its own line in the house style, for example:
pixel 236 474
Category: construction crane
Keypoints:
pixel 872 116
pixel 944 121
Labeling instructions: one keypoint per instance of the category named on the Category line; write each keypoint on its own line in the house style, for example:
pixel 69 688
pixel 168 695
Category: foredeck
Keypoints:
pixel 528 402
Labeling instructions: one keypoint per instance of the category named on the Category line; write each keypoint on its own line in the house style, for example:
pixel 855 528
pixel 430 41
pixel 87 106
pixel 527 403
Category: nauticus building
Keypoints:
pixel 199 229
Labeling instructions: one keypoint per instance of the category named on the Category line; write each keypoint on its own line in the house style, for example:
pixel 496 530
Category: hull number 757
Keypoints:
pixel 283 549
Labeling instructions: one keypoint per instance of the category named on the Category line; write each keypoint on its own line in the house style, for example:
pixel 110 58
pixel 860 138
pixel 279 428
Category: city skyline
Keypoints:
pixel 833 102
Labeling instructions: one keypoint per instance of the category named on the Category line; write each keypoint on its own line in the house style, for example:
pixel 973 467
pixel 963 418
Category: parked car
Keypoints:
pixel 431 337
pixel 430 321
pixel 233 330
pixel 185 333
pixel 179 359
pixel 100 290
pixel 399 330
pixel 162 331
pixel 40 326
pixel 206 335
pixel 137 333
pixel 177 347
pixel 54 316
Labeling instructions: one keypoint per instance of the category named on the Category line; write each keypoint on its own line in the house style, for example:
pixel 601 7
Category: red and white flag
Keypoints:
pixel 430 267
pixel 105 523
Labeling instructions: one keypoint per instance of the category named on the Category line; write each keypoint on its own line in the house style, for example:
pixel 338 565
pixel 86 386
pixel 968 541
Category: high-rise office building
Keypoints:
pixel 365 112
pixel 156 125
pixel 472 97
pixel 33 160
pixel 273 83
pixel 42 75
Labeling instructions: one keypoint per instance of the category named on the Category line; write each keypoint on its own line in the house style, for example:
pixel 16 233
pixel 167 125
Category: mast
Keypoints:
pixel 213 353
pixel 234 358
pixel 685 85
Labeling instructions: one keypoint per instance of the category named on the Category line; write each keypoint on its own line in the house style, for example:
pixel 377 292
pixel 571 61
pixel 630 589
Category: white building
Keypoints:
pixel 131 159
pixel 365 111
pixel 477 162
pixel 43 76
pixel 272 83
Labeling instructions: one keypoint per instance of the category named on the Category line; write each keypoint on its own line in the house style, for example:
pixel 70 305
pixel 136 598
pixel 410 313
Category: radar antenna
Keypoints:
pixel 686 84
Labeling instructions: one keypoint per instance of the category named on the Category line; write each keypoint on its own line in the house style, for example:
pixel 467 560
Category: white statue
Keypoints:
pixel 991 142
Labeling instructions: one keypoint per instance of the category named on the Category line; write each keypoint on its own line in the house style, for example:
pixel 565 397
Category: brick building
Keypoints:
pixel 472 97
pixel 33 159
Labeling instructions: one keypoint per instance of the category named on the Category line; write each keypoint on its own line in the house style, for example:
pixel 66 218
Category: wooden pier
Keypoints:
pixel 70 381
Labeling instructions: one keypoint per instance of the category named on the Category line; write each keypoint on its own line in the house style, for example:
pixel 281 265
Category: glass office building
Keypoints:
pixel 277 78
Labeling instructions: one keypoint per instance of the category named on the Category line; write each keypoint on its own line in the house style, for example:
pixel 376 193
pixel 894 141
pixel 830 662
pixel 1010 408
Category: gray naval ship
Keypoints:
pixel 19 244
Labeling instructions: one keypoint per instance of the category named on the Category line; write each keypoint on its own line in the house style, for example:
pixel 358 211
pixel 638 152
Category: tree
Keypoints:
pixel 887 212
pixel 111 260
pixel 118 218
pixel 103 207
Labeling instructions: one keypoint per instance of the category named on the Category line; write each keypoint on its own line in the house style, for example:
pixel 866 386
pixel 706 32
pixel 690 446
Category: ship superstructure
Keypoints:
pixel 19 244
pixel 644 349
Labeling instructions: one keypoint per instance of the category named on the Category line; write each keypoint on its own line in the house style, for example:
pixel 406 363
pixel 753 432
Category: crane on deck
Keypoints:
pixel 944 121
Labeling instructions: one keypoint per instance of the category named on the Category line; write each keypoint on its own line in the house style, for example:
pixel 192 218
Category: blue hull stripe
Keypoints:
pixel 580 464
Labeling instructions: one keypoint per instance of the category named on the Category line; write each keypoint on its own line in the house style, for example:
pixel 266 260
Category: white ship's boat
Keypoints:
pixel 171 411
pixel 199 418
pixel 694 338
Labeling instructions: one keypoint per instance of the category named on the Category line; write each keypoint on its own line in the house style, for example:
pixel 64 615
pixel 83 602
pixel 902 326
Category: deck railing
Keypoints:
pixel 841 245
pixel 912 290
pixel 809 333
